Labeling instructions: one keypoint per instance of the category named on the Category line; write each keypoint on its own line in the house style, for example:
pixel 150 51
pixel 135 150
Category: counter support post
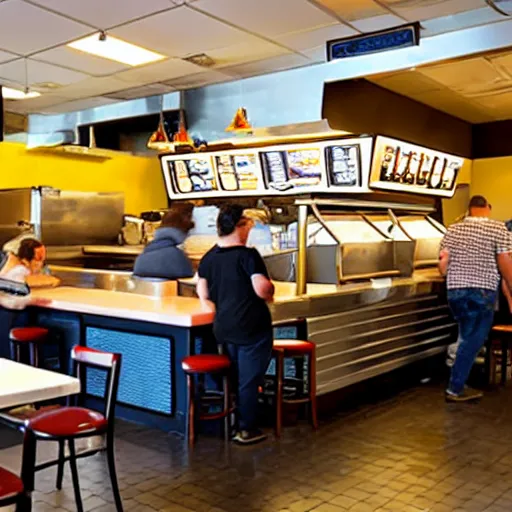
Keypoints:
pixel 301 265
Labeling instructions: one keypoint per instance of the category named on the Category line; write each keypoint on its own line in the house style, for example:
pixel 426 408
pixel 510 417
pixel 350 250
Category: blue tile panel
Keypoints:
pixel 146 379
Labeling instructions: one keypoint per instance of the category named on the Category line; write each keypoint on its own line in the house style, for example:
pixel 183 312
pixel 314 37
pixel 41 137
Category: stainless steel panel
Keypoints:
pixel 81 218
pixel 281 266
pixel 323 264
pixel 376 258
pixel 15 206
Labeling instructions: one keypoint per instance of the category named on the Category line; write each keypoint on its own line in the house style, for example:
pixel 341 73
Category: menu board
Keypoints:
pixel 405 167
pixel 237 171
pixel 344 165
pixel 192 175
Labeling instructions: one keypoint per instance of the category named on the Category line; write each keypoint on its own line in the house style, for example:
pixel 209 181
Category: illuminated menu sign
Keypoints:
pixel 404 167
pixel 344 165
pixel 192 175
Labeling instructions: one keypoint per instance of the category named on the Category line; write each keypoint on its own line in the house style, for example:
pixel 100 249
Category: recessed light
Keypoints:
pixel 109 47
pixel 16 94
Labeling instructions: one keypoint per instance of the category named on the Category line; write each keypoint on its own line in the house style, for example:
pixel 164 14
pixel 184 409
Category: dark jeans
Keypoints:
pixel 473 308
pixel 250 362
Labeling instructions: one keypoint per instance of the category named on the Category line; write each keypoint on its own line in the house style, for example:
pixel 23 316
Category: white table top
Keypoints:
pixel 179 311
pixel 21 384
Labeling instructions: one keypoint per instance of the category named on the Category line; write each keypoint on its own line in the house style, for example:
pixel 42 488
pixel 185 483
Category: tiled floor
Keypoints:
pixel 409 453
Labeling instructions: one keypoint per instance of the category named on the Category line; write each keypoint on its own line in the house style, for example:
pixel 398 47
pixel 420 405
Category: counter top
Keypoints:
pixel 178 311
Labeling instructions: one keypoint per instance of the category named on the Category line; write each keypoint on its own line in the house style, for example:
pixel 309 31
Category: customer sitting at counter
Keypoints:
pixel 28 264
pixel 234 278
pixel 162 258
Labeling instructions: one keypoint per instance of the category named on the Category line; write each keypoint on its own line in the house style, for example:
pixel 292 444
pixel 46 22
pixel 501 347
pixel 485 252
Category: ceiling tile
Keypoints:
pixel 94 86
pixel 316 54
pixel 407 83
pixel 6 56
pixel 199 80
pixel 351 10
pixel 182 32
pixel 158 72
pixel 75 106
pixel 74 59
pixel 25 29
pixel 499 104
pixel 307 39
pixel 267 66
pixel 375 23
pixel 267 17
pixel 419 10
pixel 142 92
pixel 37 73
pixel 460 21
pixel 465 76
pixel 503 62
pixel 35 105
pixel 245 52
pixel 105 14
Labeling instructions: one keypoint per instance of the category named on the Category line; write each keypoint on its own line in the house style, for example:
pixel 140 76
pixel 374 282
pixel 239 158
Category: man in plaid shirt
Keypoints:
pixel 473 254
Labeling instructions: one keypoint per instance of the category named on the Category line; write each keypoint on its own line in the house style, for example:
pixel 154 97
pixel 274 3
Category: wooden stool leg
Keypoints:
pixel 504 361
pixel 279 391
pixel 191 410
pixel 492 366
pixel 34 354
pixel 312 390
pixel 227 418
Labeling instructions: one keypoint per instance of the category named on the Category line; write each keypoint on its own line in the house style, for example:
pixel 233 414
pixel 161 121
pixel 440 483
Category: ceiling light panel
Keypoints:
pixel 115 49
pixel 105 14
pixel 268 17
pixel 26 29
pixel 18 94
pixel 182 32
pixel 351 10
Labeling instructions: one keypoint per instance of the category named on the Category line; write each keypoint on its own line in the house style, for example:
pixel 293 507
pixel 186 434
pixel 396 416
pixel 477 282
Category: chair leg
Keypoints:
pixel 279 391
pixel 60 467
pixel 492 367
pixel 504 361
pixel 191 410
pixel 312 390
pixel 74 475
pixel 24 503
pixel 34 354
pixel 227 419
pixel 113 474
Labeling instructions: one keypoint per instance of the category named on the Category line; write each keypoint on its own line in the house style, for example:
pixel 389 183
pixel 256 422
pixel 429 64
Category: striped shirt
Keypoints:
pixel 473 246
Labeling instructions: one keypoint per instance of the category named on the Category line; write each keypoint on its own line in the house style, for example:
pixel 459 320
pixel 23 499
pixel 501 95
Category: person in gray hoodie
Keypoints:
pixel 163 258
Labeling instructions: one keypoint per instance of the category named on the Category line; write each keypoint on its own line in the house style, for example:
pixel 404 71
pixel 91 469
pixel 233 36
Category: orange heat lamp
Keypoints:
pixel 240 122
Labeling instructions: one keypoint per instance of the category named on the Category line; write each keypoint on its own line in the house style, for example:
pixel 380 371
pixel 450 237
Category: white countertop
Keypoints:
pixel 179 311
pixel 21 384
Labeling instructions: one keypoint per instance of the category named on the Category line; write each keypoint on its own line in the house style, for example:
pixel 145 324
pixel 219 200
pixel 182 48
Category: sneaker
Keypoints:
pixel 249 437
pixel 468 395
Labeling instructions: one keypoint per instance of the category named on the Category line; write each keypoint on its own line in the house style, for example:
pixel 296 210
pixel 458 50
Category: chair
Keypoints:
pixel 201 365
pixel 34 338
pixel 70 423
pixel 283 349
pixel 501 338
pixel 12 491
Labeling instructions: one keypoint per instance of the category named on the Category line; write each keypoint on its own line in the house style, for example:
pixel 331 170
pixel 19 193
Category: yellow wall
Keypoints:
pixel 492 178
pixel 140 178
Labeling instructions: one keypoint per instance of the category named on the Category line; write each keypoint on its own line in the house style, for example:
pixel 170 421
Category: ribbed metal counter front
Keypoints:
pixel 366 331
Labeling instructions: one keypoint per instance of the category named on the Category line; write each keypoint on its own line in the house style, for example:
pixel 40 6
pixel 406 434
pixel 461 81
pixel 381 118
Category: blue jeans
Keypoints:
pixel 250 362
pixel 473 308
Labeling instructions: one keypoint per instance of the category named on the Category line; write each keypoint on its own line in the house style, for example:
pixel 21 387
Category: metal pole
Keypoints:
pixel 302 245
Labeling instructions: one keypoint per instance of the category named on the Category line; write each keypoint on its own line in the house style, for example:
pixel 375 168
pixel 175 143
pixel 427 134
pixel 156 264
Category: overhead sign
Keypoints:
pixel 403 167
pixel 376 42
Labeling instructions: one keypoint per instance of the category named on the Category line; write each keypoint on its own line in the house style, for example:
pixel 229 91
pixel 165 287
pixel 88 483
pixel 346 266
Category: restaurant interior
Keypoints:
pixel 350 165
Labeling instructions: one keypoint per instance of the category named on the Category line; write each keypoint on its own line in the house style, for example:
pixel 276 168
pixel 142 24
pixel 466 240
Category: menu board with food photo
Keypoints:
pixel 405 167
pixel 237 172
pixel 192 175
pixel 344 165
pixel 292 169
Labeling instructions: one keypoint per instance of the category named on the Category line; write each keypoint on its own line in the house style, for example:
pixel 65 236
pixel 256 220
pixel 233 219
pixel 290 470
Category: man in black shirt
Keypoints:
pixel 234 278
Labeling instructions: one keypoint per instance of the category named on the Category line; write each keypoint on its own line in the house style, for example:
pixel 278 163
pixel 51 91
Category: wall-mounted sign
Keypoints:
pixel 376 42
pixel 341 165
pixel 404 167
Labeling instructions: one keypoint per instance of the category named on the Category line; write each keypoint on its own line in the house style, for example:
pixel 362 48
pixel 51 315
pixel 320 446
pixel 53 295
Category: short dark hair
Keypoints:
pixel 478 202
pixel 180 217
pixel 229 217
pixel 27 249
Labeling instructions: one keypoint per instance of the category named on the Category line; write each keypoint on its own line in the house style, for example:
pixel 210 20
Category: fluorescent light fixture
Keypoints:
pixel 111 48
pixel 16 94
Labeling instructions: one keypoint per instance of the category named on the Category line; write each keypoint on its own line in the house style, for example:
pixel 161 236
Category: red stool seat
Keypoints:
pixel 29 334
pixel 68 421
pixel 10 485
pixel 205 363
pixel 295 346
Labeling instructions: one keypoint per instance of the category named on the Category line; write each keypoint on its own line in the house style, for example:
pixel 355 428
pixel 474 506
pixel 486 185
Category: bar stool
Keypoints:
pixel 12 491
pixel 501 336
pixel 283 349
pixel 201 365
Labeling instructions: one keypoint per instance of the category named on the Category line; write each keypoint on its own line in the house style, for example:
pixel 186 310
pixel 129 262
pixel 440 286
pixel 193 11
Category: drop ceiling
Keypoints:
pixel 477 89
pixel 244 37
